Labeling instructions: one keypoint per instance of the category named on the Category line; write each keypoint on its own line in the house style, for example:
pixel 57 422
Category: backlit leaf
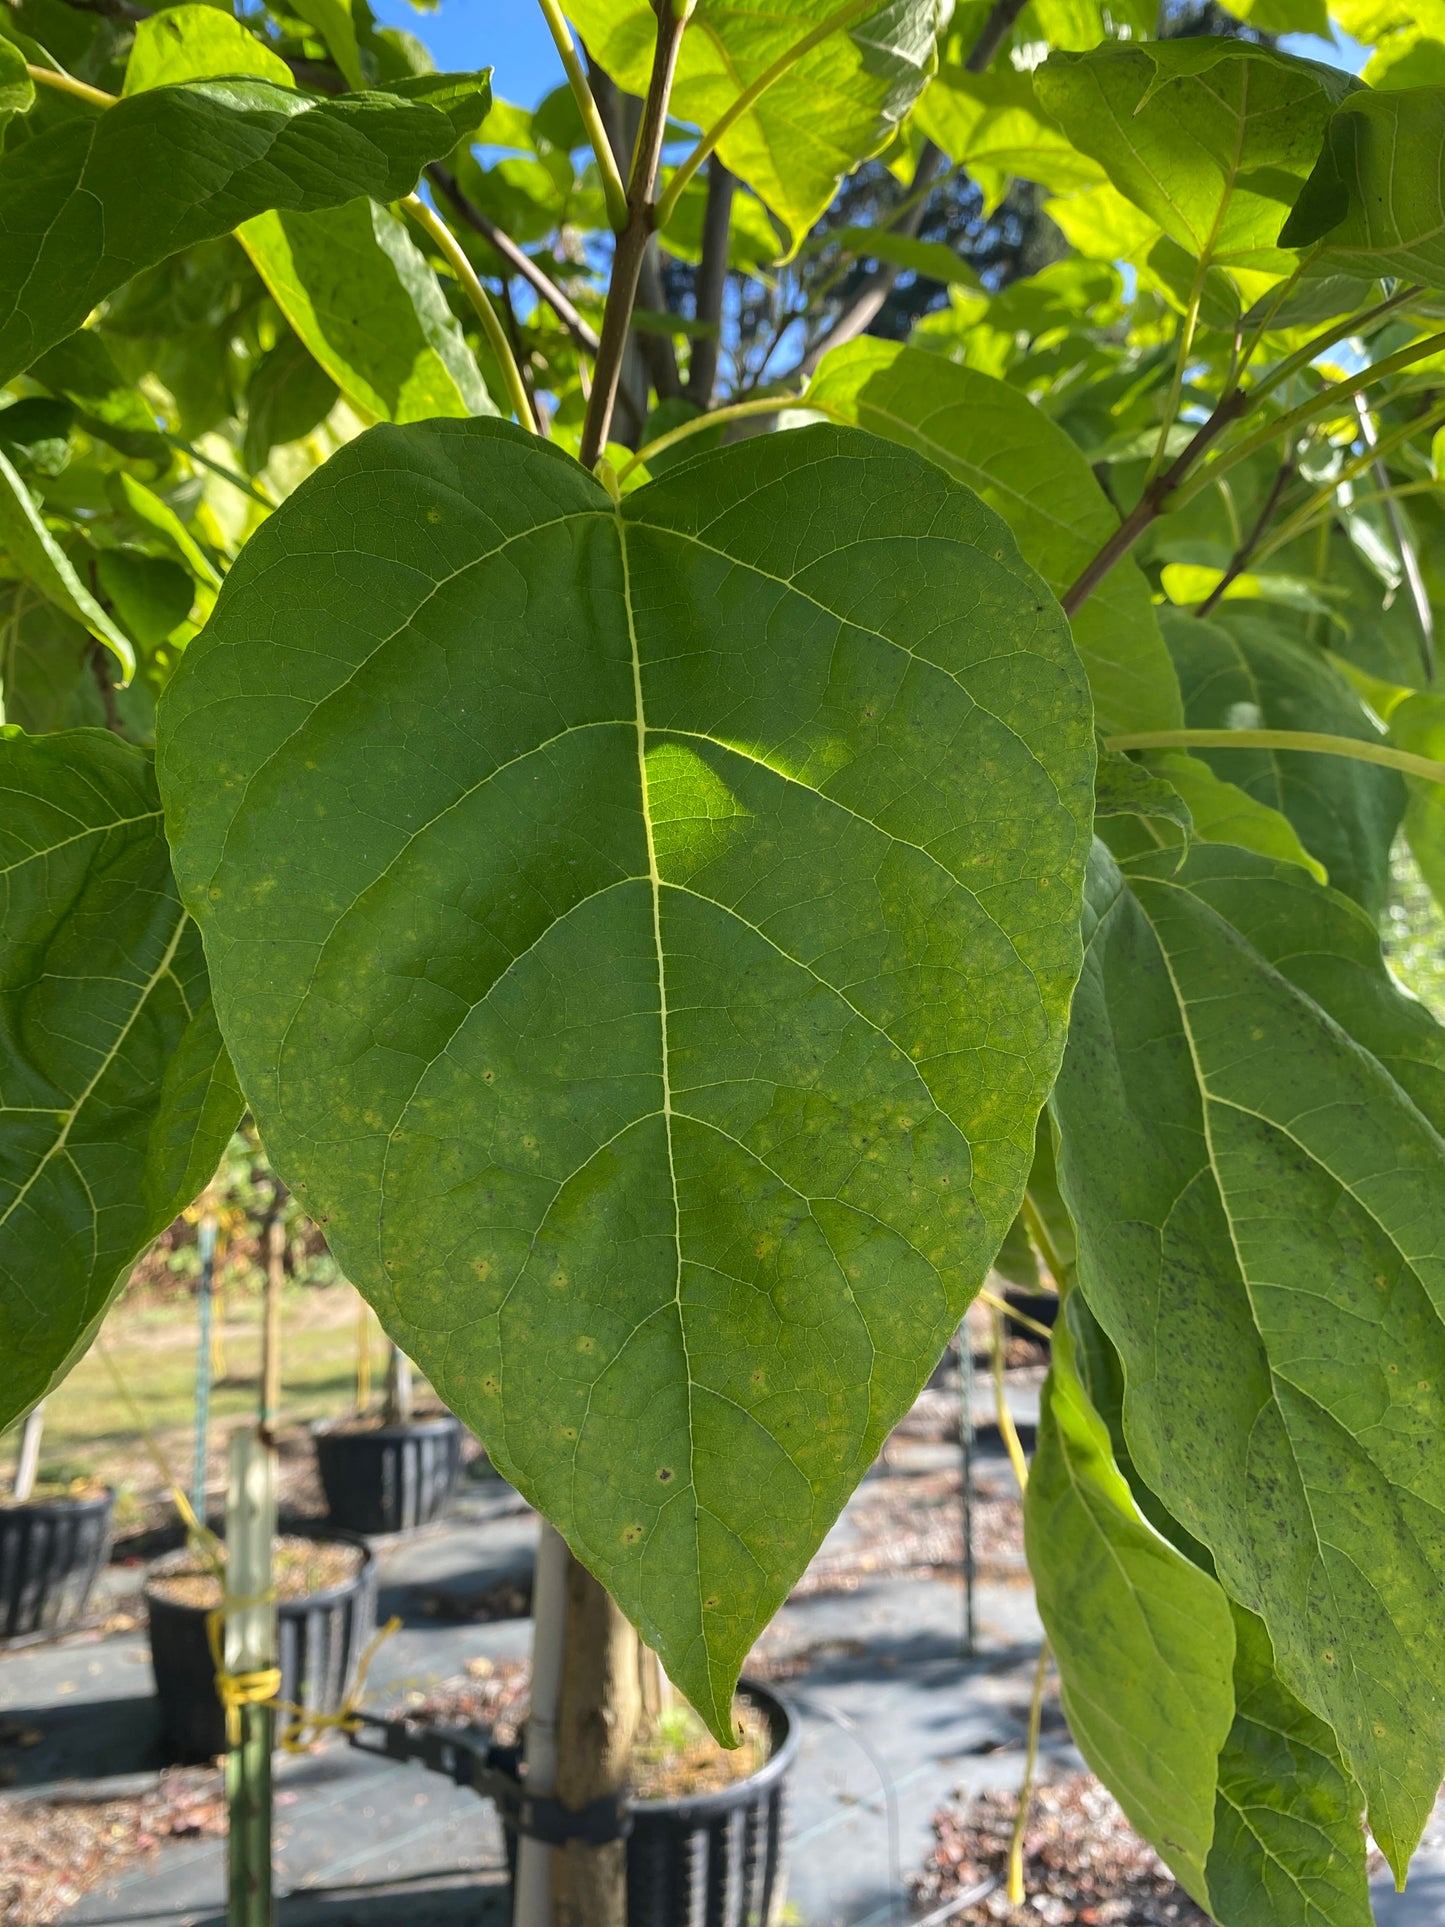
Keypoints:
pixel 838 104
pixel 990 436
pixel 197 42
pixel 1375 203
pixel 646 942
pixel 116 1096
pixel 993 120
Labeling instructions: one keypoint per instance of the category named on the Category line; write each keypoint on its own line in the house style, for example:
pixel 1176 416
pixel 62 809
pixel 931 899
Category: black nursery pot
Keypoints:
pixel 319 1639
pixel 389 1478
pixel 1041 1306
pixel 715 1859
pixel 51 1553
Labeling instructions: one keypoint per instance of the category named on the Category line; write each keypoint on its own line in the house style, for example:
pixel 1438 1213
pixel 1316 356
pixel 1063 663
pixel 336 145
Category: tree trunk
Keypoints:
pixel 597 1722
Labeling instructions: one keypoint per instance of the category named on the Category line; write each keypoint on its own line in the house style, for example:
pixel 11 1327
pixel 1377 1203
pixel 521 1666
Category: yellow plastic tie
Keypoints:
pixel 235 1690
pixel 304 1728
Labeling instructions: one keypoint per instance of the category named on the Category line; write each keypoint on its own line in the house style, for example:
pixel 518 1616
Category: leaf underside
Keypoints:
pixel 645 934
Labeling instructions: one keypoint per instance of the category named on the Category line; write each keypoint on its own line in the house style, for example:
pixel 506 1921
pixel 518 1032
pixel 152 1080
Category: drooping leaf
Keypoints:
pixel 838 104
pixel 1289 1849
pixel 92 202
pixel 1221 812
pixel 1374 203
pixel 359 294
pixel 116 1096
pixel 658 920
pixel 1126 788
pixel 1236 672
pixel 990 436
pixel 1143 1638
pixel 1249 1155
pixel 1213 139
pixel 32 547
pixel 197 42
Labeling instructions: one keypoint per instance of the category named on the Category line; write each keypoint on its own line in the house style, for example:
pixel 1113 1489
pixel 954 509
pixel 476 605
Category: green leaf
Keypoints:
pixel 17 89
pixel 1221 812
pixel 830 110
pixel 1212 139
pixel 92 202
pixel 151 595
pixel 1289 1849
pixel 333 21
pixel 45 677
pixel 1143 1638
pixel 657 921
pixel 934 259
pixel 289 395
pixel 1250 1151
pixel 35 551
pixel 359 294
pixel 1237 673
pixel 1103 226
pixel 1126 788
pixel 197 42
pixel 118 1096
pixel 993 120
pixel 989 434
pixel 1418 723
pixel 159 519
pixel 1374 203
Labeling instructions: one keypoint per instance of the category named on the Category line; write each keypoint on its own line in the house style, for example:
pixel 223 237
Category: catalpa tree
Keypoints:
pixel 691 825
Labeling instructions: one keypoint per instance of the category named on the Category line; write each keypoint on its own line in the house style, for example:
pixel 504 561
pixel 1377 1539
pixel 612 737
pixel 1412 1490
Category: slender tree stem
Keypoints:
pixel 632 241
pixel 520 262
pixel 712 279
pixel 836 21
pixel 67 84
pixel 1176 386
pixel 614 193
pixel 995 30
pixel 1031 1760
pixel 1373 458
pixel 1239 560
pixel 1007 1430
pixel 451 248
pixel 1313 741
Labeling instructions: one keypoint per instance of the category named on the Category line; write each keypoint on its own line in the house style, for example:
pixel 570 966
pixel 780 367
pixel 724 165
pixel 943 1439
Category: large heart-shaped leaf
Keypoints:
pixel 1213 139
pixel 1237 672
pixel 991 436
pixel 1374 202
pixel 93 201
pixel 832 108
pixel 1171 1691
pixel 1251 1152
pixel 645 933
pixel 116 1096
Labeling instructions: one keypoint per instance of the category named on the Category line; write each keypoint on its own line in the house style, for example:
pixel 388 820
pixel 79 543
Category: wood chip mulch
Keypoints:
pixel 53 1851
pixel 1082 1863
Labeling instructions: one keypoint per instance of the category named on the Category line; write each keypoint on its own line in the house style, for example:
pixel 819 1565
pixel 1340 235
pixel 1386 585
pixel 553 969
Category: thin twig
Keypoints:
pixel 632 242
pixel 1313 742
pixel 712 279
pixel 1031 1757
pixel 1240 559
pixel 581 331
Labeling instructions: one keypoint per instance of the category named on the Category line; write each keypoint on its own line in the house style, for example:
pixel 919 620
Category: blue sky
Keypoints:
pixel 509 35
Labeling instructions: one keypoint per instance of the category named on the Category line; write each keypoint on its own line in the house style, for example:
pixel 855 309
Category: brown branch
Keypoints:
pixel 657 350
pixel 1152 502
pixel 521 264
pixel 996 29
pixel 1247 547
pixel 632 242
pixel 712 277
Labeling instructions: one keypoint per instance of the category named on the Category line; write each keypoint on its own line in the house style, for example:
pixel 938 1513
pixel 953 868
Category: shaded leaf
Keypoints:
pixel 835 106
pixel 990 435
pixel 359 294
pixel 1221 812
pixel 616 921
pixel 1248 1155
pixel 1236 672
pixel 35 551
pixel 289 395
pixel 92 202
pixel 1126 788
pixel 118 1098
pixel 1142 1637
pixel 17 89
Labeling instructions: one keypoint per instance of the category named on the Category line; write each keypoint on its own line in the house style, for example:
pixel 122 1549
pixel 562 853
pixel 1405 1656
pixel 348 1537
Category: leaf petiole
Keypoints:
pixel 614 193
pixel 456 259
pixel 68 84
pixel 1314 741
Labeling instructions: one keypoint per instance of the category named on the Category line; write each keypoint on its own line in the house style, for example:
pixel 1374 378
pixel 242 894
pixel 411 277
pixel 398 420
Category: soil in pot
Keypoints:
pixel 299 1567
pixel 682 1757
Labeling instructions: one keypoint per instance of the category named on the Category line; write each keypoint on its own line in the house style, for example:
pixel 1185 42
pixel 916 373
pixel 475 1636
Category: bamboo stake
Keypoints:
pixel 250 1648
